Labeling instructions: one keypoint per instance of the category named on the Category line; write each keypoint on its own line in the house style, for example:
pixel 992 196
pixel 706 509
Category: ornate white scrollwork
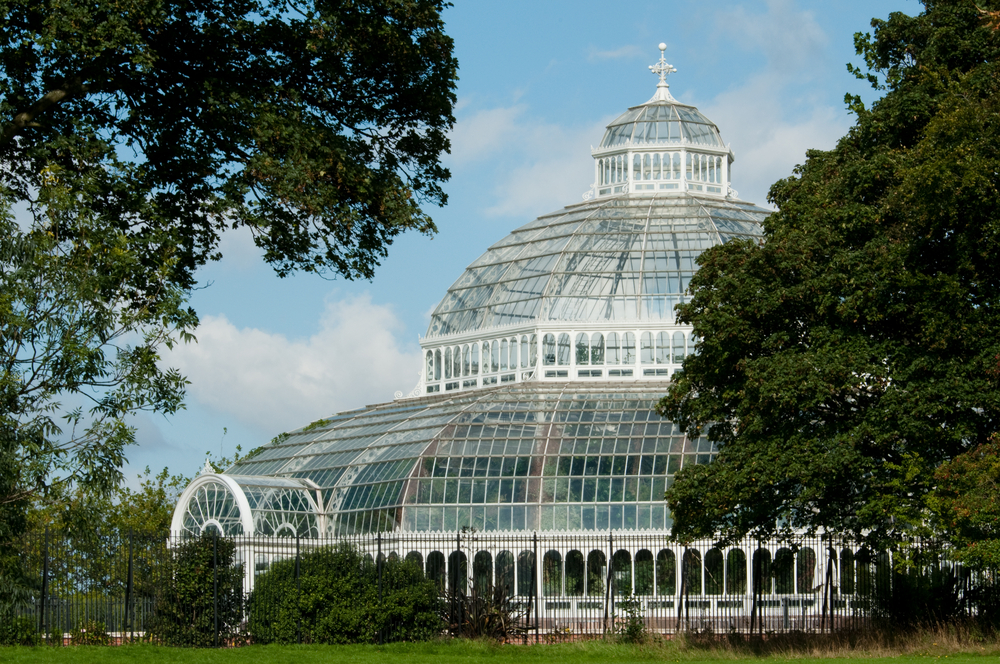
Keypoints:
pixel 587 195
pixel 732 193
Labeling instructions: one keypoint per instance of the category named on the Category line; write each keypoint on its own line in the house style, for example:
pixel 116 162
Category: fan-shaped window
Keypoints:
pixel 549 350
pixel 666 573
pixel 582 349
pixel 564 349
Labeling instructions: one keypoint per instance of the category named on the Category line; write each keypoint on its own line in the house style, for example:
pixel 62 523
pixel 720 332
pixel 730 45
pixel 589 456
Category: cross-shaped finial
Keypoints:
pixel 662 68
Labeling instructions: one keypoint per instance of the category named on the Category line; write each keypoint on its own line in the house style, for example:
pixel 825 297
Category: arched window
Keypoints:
pixel 846 572
pixel 691 571
pixel 457 369
pixel 574 573
pixel 504 353
pixel 486 357
pixel 805 571
pixel 533 351
pixel 622 572
pixel 637 167
pixel 762 571
pixel 864 585
pixel 666 573
pixel 736 572
pixel 525 572
pixel 613 355
pixel 647 348
pixel 784 571
pixel 628 348
pixel 415 558
pixel 482 573
pixel 597 349
pixel 552 574
pixel 677 165
pixel 663 348
pixel 436 569
pixel 689 172
pixel 458 572
pixel 505 572
pixel 656 167
pixel 513 353
pixel 596 570
pixel 495 357
pixel 582 349
pixel 430 366
pixel 711 169
pixel 714 581
pixel 549 350
pixel 475 359
pixel 524 352
pixel 437 365
pixel 466 361
pixel 600 172
pixel 647 167
pixel 678 347
pixel 447 363
pixel 644 572
pixel 563 349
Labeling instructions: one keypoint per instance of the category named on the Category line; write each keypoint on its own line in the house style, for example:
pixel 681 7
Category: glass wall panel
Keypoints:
pixel 663 348
pixel 487 359
pixel 430 365
pixel 457 369
pixel 525 572
pixel 458 572
pixel 597 349
pixel 736 572
pixel 513 353
pixel 644 572
pixel 582 349
pixel 637 167
pixel 677 166
pixel 532 358
pixel 447 363
pixel 436 569
pixel 647 347
pixel 466 360
pixel 575 574
pixel 784 572
pixel 679 347
pixel 846 572
pixel 504 354
pixel 505 572
pixel 628 348
pixel 564 349
pixel 549 350
pixel 691 571
pixel 495 357
pixel 524 352
pixel 437 365
pixel 596 570
pixel 805 571
pixel 482 573
pixel 713 572
pixel 613 351
pixel 475 359
pixel 552 574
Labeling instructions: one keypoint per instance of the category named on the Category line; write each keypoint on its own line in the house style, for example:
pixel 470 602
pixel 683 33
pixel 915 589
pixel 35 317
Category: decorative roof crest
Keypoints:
pixel 662 68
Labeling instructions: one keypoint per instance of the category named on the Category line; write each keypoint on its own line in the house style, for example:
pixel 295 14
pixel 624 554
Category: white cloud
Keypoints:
pixel 479 136
pixel 274 383
pixel 791 39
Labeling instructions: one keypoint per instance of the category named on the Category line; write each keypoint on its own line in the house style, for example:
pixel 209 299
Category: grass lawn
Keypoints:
pixel 463 652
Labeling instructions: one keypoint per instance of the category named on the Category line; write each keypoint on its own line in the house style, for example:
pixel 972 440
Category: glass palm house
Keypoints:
pixel 542 364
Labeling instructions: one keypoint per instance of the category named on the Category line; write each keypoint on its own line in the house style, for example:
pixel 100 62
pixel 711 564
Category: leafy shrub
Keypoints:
pixel 485 613
pixel 90 633
pixel 335 600
pixel 19 631
pixel 202 579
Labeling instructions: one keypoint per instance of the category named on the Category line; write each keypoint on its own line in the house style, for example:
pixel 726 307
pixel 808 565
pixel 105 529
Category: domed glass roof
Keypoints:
pixel 662 122
pixel 623 258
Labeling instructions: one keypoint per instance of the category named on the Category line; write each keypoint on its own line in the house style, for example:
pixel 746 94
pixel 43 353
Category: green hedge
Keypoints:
pixel 335 600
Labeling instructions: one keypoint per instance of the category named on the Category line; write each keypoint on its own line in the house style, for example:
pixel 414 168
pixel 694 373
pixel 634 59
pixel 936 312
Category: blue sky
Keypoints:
pixel 538 82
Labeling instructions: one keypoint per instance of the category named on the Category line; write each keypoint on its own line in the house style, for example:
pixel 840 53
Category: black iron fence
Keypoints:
pixel 536 586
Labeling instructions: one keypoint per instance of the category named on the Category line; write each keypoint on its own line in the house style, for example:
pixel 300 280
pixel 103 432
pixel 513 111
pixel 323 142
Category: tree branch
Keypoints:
pixel 50 99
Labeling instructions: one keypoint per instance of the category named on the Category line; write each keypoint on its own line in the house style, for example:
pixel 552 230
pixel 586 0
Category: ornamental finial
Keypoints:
pixel 662 68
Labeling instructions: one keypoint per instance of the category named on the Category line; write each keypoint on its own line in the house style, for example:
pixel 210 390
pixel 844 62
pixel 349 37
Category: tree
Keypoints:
pixel 854 351
pixel 132 136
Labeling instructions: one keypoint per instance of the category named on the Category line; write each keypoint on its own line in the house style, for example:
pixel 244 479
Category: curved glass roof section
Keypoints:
pixel 615 259
pixel 662 122
pixel 525 456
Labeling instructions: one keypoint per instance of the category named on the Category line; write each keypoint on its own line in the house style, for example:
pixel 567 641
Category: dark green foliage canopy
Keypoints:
pixel 318 125
pixel 856 350
pixel 335 599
